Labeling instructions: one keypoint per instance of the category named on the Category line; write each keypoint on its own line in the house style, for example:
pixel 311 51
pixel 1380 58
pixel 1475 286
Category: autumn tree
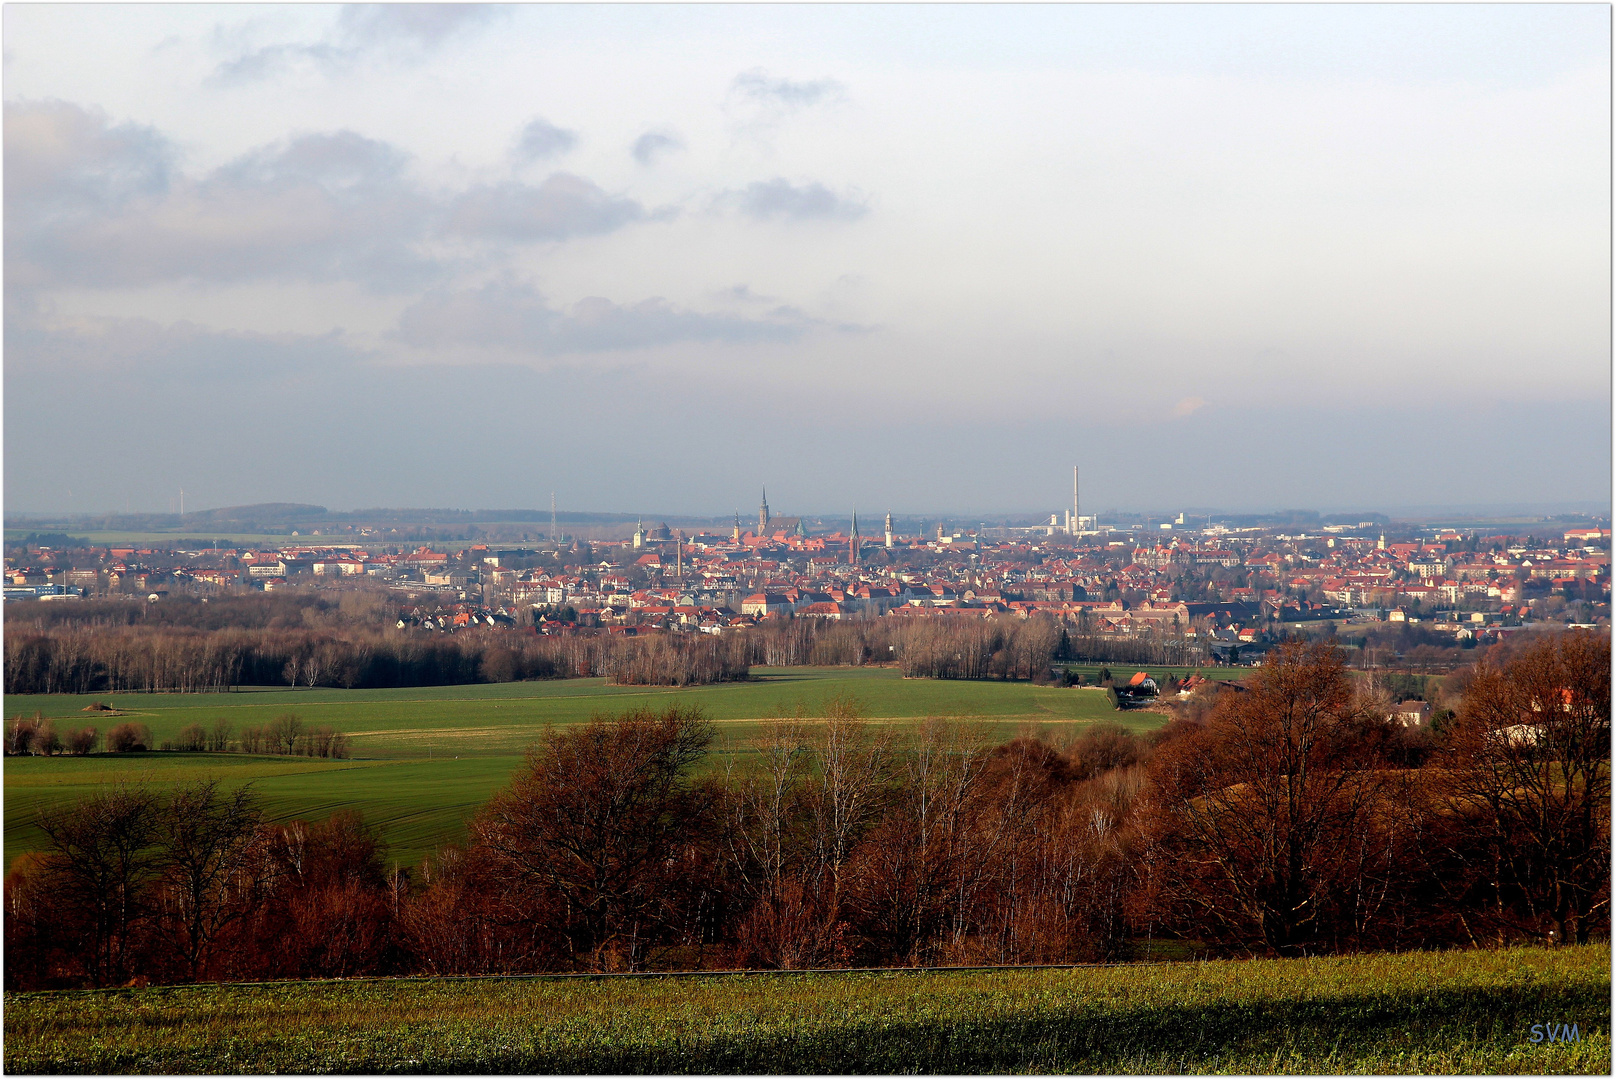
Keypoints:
pixel 102 863
pixel 600 817
pixel 1263 808
pixel 205 838
pixel 1531 781
pixel 923 858
pixel 128 737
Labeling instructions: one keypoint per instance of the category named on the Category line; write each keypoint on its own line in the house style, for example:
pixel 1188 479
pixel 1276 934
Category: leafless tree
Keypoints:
pixel 598 817
pixel 1531 775
pixel 1265 805
pixel 105 861
pixel 205 837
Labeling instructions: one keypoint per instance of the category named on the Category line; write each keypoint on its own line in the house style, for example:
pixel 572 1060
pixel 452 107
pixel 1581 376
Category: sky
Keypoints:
pixel 927 258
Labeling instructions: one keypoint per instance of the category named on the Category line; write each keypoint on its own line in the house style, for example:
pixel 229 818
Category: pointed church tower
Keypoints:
pixel 736 535
pixel 639 534
pixel 763 514
pixel 853 541
pixel 889 528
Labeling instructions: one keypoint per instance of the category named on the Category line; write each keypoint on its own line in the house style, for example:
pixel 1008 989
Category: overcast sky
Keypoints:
pixel 924 258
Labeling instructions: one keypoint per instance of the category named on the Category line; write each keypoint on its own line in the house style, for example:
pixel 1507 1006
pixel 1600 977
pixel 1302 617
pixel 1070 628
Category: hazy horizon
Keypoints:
pixel 897 256
pixel 872 518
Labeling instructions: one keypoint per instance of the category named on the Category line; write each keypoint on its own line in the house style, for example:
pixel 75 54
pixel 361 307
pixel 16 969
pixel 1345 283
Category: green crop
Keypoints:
pixel 425 758
pixel 1447 1012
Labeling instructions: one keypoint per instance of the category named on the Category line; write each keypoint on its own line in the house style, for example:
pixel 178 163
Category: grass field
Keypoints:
pixel 503 718
pixel 425 758
pixel 1452 1012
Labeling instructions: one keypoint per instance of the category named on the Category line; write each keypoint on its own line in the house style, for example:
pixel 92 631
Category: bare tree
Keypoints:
pixel 598 818
pixel 205 838
pixel 1264 806
pixel 105 861
pixel 219 736
pixel 852 763
pixel 1531 775
pixel 283 733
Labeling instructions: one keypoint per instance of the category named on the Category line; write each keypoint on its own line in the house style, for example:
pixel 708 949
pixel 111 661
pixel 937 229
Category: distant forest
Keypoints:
pixel 184 645
pixel 188 645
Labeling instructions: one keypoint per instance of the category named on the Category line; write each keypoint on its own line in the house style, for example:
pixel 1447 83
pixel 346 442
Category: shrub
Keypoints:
pixel 46 741
pixel 20 739
pixel 193 738
pixel 128 737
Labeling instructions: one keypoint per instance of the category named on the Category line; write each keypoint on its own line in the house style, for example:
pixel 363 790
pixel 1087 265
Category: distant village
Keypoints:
pixel 1231 590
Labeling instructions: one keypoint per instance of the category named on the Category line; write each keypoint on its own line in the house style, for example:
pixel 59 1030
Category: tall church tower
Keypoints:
pixel 889 528
pixel 763 514
pixel 736 535
pixel 853 541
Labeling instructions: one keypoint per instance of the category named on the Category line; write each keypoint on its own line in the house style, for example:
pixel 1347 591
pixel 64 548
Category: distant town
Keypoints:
pixel 1222 591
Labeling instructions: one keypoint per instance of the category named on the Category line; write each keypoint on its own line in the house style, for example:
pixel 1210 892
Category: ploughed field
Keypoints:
pixel 425 758
pixel 1448 1012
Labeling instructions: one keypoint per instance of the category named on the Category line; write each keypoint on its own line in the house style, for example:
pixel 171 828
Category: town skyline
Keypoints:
pixel 1021 516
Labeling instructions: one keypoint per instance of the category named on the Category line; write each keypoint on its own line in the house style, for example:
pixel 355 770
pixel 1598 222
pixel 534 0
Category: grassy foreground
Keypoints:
pixel 1453 1012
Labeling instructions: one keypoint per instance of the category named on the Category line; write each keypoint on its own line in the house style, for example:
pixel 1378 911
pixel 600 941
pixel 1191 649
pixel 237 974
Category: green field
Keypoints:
pixel 1449 1012
pixel 424 759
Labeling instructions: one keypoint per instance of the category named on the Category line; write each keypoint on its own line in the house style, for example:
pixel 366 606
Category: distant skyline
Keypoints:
pixel 1593 508
pixel 1254 257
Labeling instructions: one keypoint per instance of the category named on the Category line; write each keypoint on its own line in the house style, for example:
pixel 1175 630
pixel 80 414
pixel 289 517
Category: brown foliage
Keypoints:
pixel 1529 778
pixel 128 737
pixel 1262 811
pixel 1290 817
pixel 597 823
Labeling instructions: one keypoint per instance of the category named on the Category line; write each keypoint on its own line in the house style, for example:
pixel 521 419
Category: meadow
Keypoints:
pixel 1433 1012
pixel 423 759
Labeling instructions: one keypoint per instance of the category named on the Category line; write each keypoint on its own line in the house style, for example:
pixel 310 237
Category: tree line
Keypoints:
pixel 80 659
pixel 124 659
pixel 286 734
pixel 76 658
pixel 1286 817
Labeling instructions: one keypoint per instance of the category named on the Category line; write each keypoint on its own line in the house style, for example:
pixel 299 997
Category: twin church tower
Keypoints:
pixel 854 540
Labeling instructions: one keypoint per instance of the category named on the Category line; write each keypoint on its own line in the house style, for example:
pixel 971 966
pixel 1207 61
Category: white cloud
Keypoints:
pixel 780 198
pixel 541 139
pixel 655 144
pixel 516 317
pixel 1300 204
